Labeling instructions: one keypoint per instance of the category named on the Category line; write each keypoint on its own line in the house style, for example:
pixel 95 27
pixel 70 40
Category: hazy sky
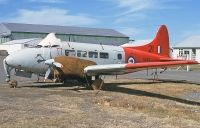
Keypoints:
pixel 138 19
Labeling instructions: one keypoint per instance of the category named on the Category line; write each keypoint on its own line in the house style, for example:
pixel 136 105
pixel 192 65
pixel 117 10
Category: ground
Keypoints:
pixel 123 103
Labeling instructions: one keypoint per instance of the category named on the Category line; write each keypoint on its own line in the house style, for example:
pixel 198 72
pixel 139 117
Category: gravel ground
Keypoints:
pixel 134 103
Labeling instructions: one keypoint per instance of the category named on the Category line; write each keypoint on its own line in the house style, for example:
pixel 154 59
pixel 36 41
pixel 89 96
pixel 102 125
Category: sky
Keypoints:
pixel 138 19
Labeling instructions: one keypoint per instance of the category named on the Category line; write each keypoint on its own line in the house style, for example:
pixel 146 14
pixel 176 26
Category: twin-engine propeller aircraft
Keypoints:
pixel 60 61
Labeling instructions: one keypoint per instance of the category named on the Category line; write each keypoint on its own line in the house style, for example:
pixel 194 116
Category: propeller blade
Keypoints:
pixel 51 62
pixel 59 65
pixel 47 73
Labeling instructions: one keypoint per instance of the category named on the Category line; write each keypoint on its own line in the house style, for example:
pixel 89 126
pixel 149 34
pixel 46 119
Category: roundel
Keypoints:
pixel 131 60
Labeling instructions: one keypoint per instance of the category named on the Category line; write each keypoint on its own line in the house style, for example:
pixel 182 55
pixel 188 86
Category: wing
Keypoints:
pixel 68 66
pixel 111 69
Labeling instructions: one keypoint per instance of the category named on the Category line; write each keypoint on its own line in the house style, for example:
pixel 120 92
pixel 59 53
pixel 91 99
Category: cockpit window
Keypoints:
pixel 48 46
pixel 81 53
pixel 70 52
pixel 55 46
pixel 37 46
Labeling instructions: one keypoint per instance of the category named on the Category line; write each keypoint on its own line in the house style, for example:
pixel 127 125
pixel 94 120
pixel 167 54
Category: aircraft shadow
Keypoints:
pixel 135 83
pixel 116 88
pixel 52 85
pixel 75 83
pixel 152 81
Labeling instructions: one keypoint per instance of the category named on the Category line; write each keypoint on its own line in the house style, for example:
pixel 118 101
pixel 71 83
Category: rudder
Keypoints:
pixel 159 45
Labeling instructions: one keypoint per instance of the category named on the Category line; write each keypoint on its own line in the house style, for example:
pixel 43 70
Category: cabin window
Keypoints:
pixel 119 56
pixel 104 55
pixel 93 54
pixel 81 53
pixel 70 52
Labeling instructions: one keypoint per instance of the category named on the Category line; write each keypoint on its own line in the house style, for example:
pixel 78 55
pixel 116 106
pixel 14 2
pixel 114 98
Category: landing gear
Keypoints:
pixel 12 83
pixel 97 84
pixel 94 82
pixel 7 68
pixel 56 80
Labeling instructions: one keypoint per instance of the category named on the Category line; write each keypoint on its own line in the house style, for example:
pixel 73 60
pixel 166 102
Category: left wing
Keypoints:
pixel 111 69
pixel 68 66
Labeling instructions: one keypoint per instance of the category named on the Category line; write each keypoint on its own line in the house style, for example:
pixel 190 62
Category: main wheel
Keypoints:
pixel 97 84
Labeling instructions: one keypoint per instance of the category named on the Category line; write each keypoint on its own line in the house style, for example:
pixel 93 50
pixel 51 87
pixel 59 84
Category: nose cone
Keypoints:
pixel 27 60
pixel 20 58
pixel 10 60
pixel 14 60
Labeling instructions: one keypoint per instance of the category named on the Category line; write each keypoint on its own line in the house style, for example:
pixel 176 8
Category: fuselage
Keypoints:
pixel 32 59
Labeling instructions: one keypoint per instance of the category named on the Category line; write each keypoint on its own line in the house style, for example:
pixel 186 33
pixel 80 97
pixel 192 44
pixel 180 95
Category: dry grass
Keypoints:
pixel 192 67
pixel 160 99
pixel 195 67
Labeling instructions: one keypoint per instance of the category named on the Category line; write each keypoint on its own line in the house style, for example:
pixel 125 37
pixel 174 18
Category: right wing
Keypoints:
pixel 111 69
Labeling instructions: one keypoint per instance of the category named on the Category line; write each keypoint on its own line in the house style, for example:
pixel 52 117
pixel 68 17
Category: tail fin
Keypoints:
pixel 159 45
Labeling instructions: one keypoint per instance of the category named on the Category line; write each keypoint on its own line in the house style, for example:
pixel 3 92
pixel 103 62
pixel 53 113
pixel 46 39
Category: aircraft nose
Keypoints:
pixel 9 64
pixel 10 60
pixel 27 60
pixel 15 59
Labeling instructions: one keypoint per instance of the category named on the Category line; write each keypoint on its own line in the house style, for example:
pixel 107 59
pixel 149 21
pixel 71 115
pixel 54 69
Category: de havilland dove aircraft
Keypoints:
pixel 60 61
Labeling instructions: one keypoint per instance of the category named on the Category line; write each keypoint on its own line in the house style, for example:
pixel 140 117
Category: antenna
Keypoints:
pixel 101 46
pixel 68 44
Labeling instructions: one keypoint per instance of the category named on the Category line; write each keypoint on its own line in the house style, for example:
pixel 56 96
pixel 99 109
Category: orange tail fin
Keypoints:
pixel 159 45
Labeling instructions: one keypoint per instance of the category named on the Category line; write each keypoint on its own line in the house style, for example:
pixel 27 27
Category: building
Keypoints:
pixel 15 45
pixel 16 31
pixel 188 49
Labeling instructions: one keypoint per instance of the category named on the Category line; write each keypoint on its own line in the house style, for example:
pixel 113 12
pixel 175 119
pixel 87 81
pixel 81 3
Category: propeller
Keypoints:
pixel 47 73
pixel 52 64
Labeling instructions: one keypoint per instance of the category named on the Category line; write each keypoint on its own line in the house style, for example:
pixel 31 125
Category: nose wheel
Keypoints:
pixel 12 83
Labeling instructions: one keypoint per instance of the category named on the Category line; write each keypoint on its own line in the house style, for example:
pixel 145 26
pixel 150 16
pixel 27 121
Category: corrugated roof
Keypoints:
pixel 190 42
pixel 32 41
pixel 18 27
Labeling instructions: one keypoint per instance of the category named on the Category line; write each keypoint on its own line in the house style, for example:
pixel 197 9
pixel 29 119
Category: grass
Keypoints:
pixel 195 67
